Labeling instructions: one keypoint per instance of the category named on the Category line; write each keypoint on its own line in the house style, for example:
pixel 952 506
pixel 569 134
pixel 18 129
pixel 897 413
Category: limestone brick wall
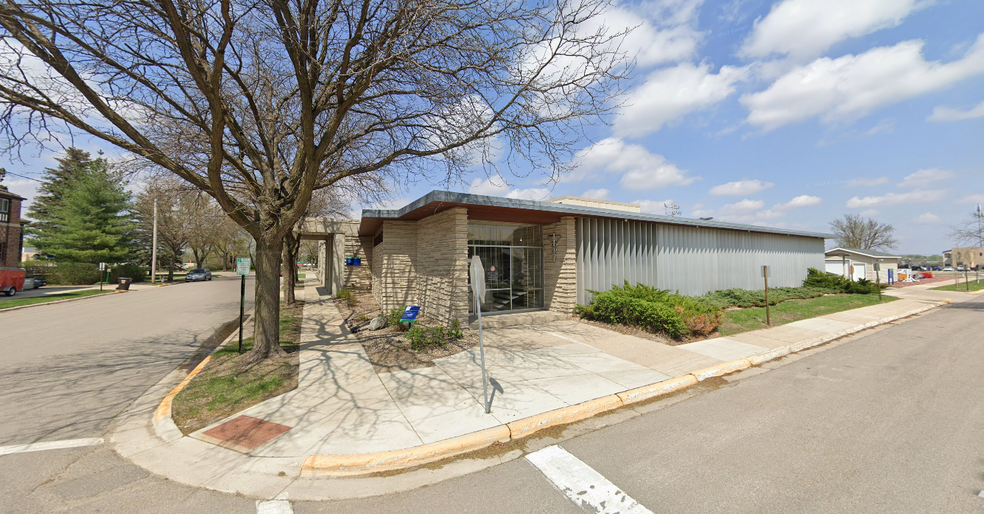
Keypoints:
pixel 358 277
pixel 442 266
pixel 393 265
pixel 559 266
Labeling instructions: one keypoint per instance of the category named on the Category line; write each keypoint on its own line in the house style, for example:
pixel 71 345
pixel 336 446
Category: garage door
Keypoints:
pixel 834 267
pixel 859 271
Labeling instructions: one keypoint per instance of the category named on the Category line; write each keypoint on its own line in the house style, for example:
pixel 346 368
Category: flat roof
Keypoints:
pixel 495 208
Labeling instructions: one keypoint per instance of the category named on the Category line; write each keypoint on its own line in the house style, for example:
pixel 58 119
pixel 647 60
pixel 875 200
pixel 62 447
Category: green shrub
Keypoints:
pixel 133 271
pixel 73 273
pixel 422 336
pixel 346 294
pixel 743 298
pixel 838 284
pixel 653 310
pixel 394 317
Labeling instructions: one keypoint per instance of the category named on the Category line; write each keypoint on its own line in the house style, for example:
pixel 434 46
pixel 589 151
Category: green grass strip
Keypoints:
pixel 969 286
pixel 743 320
pixel 20 302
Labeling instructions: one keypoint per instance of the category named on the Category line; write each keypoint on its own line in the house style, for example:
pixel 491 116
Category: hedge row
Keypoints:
pixel 76 273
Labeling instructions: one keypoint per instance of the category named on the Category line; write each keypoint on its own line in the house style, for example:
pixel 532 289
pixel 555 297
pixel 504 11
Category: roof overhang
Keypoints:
pixel 838 252
pixel 494 208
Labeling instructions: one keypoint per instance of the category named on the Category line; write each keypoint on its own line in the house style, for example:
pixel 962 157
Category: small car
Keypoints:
pixel 948 268
pixel 198 275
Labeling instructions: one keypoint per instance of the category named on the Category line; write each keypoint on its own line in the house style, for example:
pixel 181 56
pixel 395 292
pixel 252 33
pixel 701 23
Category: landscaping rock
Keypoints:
pixel 377 323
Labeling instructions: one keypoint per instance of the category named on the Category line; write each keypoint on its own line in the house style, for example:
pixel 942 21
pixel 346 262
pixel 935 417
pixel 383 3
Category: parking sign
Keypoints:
pixel 242 266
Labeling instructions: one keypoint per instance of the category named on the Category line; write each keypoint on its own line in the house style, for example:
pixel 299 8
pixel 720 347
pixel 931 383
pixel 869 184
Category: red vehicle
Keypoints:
pixel 12 280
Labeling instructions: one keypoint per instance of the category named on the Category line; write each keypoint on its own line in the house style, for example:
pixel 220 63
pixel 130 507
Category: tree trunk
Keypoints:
pixel 170 266
pixel 291 245
pixel 266 338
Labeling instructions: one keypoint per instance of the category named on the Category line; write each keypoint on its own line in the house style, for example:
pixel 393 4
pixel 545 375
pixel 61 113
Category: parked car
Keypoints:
pixel 198 274
pixel 936 268
pixel 961 268
pixel 39 282
pixel 948 268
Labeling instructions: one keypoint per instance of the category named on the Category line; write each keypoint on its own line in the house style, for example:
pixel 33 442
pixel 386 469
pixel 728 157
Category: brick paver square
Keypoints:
pixel 246 432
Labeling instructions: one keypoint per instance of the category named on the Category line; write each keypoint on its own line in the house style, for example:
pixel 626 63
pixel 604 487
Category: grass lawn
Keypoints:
pixel 17 302
pixel 743 320
pixel 226 386
pixel 974 286
pixel 301 275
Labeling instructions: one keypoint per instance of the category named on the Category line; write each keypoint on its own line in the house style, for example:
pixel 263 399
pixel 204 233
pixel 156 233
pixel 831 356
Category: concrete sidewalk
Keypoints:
pixel 344 418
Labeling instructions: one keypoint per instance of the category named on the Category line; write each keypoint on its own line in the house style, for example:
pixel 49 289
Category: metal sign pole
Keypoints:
pixel 242 307
pixel 478 287
pixel 765 275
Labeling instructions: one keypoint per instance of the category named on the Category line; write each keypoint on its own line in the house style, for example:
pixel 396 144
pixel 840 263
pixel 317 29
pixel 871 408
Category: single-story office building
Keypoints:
pixel 857 264
pixel 547 255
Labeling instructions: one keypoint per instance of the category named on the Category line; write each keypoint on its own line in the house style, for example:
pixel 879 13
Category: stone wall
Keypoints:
pixel 560 266
pixel 392 265
pixel 442 266
pixel 357 277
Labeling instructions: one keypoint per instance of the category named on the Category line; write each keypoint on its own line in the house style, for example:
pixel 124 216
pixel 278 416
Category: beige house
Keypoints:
pixel 545 256
pixel 969 257
pixel 858 264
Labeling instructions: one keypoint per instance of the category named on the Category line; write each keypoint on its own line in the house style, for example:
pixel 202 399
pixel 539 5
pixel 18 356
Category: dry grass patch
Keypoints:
pixel 229 385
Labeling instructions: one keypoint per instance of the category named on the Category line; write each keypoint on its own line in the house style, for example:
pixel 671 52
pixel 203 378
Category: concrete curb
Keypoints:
pixel 363 464
pixel 164 425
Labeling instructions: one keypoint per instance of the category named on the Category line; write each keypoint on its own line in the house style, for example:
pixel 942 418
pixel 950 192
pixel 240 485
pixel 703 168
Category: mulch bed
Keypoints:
pixel 388 349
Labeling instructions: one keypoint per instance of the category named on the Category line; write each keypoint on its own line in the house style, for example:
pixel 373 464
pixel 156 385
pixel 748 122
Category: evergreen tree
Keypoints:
pixel 91 220
pixel 54 184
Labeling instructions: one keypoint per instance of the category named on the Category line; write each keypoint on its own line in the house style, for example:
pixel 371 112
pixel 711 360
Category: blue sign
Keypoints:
pixel 410 314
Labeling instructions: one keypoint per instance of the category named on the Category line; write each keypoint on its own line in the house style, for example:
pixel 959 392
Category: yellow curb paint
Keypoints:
pixel 348 465
pixel 164 409
pixel 527 426
pixel 721 369
pixel 658 389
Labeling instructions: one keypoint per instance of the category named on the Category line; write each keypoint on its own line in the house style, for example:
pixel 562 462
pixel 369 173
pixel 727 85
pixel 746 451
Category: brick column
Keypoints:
pixel 559 266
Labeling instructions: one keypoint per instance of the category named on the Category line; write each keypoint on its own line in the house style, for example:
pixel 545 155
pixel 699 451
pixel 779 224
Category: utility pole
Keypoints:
pixel 153 250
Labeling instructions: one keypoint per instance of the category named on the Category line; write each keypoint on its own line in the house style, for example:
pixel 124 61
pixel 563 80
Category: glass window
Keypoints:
pixel 512 255
pixel 4 210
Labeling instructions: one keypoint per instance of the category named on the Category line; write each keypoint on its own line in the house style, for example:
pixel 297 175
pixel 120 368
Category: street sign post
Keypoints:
pixel 765 275
pixel 410 315
pixel 242 269
pixel 878 279
pixel 478 286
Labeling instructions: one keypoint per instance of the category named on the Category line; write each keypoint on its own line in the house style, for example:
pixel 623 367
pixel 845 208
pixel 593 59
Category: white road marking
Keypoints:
pixel 583 485
pixel 981 494
pixel 50 445
pixel 278 505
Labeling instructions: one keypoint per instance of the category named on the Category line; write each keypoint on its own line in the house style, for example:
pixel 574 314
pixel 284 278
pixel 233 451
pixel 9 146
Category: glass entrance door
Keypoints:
pixel 513 261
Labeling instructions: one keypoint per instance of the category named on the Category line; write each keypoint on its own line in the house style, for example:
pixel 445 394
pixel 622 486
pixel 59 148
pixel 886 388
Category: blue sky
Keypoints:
pixel 786 113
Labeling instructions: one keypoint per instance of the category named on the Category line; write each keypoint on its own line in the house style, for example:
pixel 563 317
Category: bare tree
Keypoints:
pixel 259 104
pixel 172 229
pixel 969 232
pixel 857 232
pixel 203 221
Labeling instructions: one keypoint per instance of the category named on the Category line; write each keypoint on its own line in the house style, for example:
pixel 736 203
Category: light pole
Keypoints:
pixel 153 250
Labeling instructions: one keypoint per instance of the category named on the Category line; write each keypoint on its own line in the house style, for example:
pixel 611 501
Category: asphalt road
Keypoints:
pixel 68 369
pixel 889 421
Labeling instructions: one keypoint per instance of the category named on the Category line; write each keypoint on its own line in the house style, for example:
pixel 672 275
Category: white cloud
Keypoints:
pixel 661 31
pixel 897 199
pixel 498 187
pixel 670 93
pixel 966 199
pixel 653 207
pixel 742 207
pixel 641 169
pixel 850 87
pixel 597 194
pixel 927 217
pixel 799 201
pixel 943 113
pixel 805 28
pixel 529 194
pixel 489 187
pixel 882 126
pixel 926 178
pixel 740 188
pixel 866 182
